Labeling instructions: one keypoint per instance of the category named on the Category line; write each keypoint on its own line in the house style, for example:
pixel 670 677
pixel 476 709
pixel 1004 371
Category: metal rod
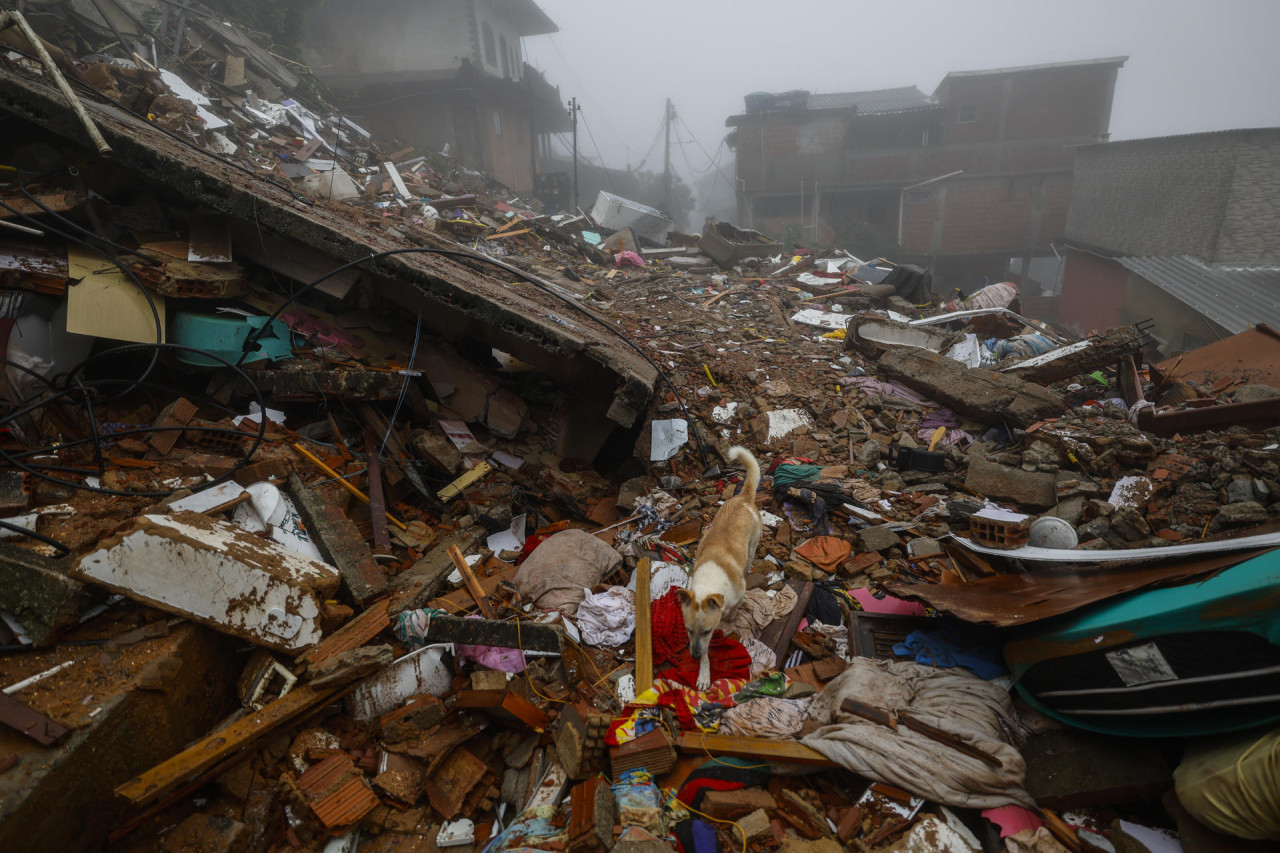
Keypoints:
pixel 15 18
pixel 24 229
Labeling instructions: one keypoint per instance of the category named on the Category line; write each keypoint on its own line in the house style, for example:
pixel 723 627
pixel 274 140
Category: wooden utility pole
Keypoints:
pixel 574 109
pixel 666 164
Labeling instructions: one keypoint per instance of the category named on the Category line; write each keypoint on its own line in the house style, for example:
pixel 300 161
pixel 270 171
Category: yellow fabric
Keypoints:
pixel 1232 784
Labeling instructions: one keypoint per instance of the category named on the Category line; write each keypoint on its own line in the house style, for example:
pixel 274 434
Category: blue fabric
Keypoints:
pixel 950 648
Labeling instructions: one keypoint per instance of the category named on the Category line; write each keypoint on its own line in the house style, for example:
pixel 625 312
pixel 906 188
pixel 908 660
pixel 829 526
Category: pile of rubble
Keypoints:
pixel 346 495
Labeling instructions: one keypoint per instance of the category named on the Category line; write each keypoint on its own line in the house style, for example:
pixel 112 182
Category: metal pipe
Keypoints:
pixel 15 18
pixel 24 229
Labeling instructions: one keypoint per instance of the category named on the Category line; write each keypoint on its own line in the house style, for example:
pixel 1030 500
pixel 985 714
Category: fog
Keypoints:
pixel 1193 66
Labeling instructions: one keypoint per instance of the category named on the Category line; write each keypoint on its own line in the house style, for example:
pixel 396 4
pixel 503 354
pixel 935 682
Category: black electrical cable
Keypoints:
pixel 253 336
pixel 39 537
pixel 15 462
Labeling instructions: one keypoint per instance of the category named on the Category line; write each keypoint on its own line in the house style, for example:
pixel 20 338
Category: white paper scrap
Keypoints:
pixel 668 438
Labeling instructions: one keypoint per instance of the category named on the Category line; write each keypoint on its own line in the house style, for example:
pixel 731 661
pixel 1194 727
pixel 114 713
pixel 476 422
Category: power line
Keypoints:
pixel 694 137
pixel 612 128
pixel 599 156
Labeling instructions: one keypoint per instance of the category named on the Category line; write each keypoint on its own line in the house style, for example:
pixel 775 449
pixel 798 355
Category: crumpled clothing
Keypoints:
pixel 554 575
pixel 955 701
pixel 494 657
pixel 758 609
pixel 785 475
pixel 727 656
pixel 607 619
pixel 825 552
pixel 410 626
pixel 879 388
pixel 943 418
pixel 999 295
pixel 533 829
pixel 763 658
pixel 767 716
pixel 690 707
pixel 1021 346
pixel 629 258
pixel 952 647
pixel 774 684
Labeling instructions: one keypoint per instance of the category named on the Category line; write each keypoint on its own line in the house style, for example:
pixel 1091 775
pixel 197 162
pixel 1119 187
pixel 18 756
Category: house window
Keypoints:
pixel 919 196
pixel 506 56
pixel 966 113
pixel 490 52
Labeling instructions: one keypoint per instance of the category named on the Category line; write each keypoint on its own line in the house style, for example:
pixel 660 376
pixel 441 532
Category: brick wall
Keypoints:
pixel 1212 195
pixel 1001 213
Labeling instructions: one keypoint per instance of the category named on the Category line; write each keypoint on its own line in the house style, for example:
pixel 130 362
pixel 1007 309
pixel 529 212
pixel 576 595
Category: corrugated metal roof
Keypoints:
pixel 874 101
pixel 1235 296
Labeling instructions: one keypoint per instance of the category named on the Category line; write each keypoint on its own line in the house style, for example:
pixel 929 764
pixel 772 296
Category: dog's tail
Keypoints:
pixel 741 454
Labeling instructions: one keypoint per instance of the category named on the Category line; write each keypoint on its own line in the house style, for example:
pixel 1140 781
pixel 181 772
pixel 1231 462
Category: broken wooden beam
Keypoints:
pixel 473 585
pixel 220 745
pixel 644 629
pixel 339 541
pixel 892 721
pixel 766 749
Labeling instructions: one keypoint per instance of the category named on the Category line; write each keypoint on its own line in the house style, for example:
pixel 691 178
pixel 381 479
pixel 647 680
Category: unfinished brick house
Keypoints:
pixel 448 74
pixel 973 180
pixel 1183 230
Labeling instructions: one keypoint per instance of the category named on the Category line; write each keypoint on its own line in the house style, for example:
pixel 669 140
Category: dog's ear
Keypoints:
pixel 715 601
pixel 686 597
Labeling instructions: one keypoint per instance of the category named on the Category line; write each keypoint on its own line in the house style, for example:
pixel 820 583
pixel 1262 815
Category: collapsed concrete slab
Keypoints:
pixel 457 301
pixel 972 391
pixel 217 574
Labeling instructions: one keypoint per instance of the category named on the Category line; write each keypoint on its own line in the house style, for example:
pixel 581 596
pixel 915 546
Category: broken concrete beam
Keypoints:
pixel 218 574
pixel 984 395
pixel 339 541
pixel 1029 488
pixel 1081 357
pixel 525 635
pixel 425 578
pixel 38 592
pixel 1261 412
pixel 305 383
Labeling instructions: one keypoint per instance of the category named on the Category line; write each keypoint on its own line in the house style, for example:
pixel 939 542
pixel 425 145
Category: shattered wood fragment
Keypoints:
pixel 504 706
pixel 473 586
pixel 211 750
pixel 352 635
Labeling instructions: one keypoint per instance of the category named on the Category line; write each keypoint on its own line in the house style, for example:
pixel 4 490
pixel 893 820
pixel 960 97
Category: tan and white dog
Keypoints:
pixel 720 566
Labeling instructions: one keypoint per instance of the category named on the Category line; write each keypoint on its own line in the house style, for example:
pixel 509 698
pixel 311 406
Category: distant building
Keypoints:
pixel 443 73
pixel 973 180
pixel 1181 229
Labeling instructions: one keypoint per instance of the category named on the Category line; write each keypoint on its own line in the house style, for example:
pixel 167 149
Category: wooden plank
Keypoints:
pixel 460 600
pixel 307 454
pixel 214 748
pixel 356 633
pixel 508 234
pixel 377 502
pixel 777 635
pixel 469 579
pixel 457 487
pixel 768 749
pixel 644 628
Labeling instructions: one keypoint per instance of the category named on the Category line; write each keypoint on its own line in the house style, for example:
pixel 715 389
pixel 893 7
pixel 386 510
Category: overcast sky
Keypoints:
pixel 1193 66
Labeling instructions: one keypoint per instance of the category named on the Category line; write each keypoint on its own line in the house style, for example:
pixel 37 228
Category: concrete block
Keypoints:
pixel 38 592
pixel 1000 482
pixel 217 574
pixel 877 538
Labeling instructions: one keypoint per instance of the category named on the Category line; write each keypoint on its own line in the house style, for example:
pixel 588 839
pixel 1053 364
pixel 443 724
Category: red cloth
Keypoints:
pixel 729 658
